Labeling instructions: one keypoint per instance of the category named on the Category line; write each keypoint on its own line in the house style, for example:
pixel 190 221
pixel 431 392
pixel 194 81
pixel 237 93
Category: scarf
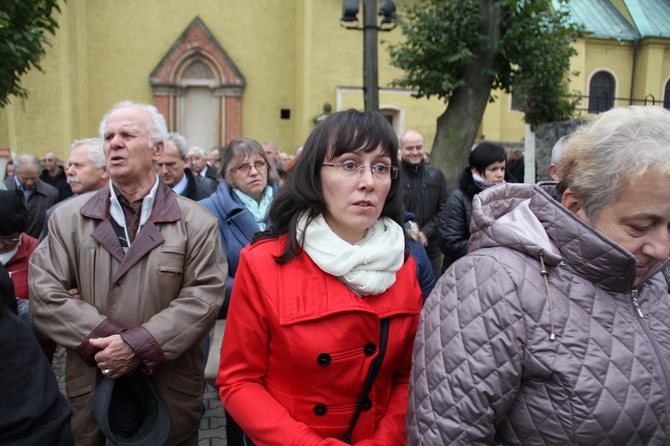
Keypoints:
pixel 257 210
pixel 482 183
pixel 369 266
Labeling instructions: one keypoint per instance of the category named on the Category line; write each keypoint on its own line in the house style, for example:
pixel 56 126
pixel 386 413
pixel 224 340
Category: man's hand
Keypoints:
pixel 117 358
pixel 423 238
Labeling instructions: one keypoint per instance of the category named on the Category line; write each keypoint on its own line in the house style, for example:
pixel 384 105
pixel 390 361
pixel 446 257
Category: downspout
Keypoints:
pixel 636 43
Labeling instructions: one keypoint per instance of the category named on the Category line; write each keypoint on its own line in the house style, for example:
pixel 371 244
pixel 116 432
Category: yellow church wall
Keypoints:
pixel 335 74
pixel 578 76
pixel 650 83
pixel 38 124
pixel 293 54
pixel 125 40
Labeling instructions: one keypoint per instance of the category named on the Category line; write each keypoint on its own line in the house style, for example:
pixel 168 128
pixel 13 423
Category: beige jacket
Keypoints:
pixel 162 296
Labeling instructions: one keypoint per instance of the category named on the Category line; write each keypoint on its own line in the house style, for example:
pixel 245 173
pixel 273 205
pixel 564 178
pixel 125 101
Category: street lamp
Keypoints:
pixel 370 29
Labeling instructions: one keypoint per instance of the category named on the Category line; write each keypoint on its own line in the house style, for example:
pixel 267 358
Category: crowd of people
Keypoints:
pixel 364 302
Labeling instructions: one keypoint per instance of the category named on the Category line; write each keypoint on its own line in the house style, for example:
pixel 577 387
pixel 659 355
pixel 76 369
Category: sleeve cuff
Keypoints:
pixel 146 347
pixel 106 328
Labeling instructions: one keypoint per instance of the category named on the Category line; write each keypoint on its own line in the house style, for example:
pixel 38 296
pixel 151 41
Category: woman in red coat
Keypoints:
pixel 16 247
pixel 304 321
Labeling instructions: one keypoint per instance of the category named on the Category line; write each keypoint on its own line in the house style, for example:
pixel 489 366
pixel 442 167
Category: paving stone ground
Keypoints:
pixel 212 425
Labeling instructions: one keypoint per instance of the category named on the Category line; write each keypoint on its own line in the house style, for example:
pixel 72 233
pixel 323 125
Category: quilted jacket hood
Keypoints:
pixel 526 218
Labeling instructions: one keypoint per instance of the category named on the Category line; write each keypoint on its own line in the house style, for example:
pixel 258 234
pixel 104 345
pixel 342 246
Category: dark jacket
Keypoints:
pixel 43 197
pixel 236 226
pixel 454 231
pixel 59 182
pixel 32 408
pixel 210 172
pixel 425 195
pixel 198 188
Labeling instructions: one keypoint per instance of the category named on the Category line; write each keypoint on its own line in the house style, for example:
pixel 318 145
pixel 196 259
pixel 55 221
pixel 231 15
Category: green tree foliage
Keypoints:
pixel 460 50
pixel 23 24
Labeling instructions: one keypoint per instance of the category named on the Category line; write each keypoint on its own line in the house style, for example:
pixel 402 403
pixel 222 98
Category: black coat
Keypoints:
pixel 33 411
pixel 59 182
pixel 198 188
pixel 455 219
pixel 425 195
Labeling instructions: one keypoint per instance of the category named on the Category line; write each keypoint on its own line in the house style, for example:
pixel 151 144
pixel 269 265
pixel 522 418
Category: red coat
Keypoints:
pixel 298 345
pixel 18 271
pixel 18 265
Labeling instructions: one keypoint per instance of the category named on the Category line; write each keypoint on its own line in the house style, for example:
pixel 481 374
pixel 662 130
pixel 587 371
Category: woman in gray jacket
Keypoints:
pixel 555 328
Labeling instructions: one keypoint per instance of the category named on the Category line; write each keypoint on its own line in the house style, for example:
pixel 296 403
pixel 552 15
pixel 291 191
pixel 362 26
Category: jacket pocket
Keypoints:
pixel 86 285
pixel 169 272
pixel 172 260
pixel 184 382
pixel 78 383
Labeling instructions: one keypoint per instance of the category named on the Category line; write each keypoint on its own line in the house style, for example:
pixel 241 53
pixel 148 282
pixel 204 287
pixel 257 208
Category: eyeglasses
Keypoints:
pixel 9 241
pixel 379 171
pixel 246 167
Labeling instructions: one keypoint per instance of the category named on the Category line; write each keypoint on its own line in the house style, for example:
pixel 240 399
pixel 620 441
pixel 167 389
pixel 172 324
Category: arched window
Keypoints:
pixel 601 92
pixel 666 95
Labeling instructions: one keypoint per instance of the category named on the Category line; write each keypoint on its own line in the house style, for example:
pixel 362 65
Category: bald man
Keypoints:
pixel 425 194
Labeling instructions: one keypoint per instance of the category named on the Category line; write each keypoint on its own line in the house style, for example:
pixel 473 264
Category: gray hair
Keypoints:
pixel 604 157
pixel 197 151
pixel 95 152
pixel 557 150
pixel 179 142
pixel 26 160
pixel 243 147
pixel 158 131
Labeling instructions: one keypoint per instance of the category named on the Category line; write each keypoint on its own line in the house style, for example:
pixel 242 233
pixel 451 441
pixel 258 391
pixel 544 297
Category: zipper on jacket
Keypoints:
pixel 656 351
pixel 636 304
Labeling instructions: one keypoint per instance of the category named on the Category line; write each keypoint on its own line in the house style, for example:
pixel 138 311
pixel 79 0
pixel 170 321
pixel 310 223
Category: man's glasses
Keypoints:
pixel 379 171
pixel 246 167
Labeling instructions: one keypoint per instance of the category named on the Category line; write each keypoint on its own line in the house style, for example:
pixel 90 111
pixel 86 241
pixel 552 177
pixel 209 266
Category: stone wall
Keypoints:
pixel 546 136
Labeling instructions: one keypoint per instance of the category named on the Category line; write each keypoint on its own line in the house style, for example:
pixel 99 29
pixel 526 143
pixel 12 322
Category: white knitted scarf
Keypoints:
pixel 369 266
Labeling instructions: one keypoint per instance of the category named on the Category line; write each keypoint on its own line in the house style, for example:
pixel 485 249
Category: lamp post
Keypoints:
pixel 370 29
pixel 370 61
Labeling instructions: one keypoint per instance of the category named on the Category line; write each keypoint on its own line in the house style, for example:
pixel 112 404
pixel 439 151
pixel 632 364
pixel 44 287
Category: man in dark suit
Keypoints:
pixel 173 169
pixel 54 175
pixel 197 158
pixel 39 196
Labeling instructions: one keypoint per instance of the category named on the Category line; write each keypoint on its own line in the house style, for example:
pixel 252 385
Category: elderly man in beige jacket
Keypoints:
pixel 150 275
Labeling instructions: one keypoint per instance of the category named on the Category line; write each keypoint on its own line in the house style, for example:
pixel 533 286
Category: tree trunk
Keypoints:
pixel 457 126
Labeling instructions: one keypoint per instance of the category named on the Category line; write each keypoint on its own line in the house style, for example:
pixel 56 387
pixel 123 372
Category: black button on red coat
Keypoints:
pixel 324 359
pixel 369 349
pixel 320 410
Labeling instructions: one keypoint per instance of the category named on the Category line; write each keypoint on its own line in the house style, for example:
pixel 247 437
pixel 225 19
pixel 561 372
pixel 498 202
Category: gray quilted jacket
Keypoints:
pixel 503 357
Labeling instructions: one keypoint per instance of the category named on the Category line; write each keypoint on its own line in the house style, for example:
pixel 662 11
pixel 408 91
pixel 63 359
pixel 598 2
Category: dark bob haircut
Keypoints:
pixel 486 154
pixel 342 132
pixel 13 213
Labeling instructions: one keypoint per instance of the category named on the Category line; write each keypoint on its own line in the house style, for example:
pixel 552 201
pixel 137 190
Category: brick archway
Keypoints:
pixel 197 59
